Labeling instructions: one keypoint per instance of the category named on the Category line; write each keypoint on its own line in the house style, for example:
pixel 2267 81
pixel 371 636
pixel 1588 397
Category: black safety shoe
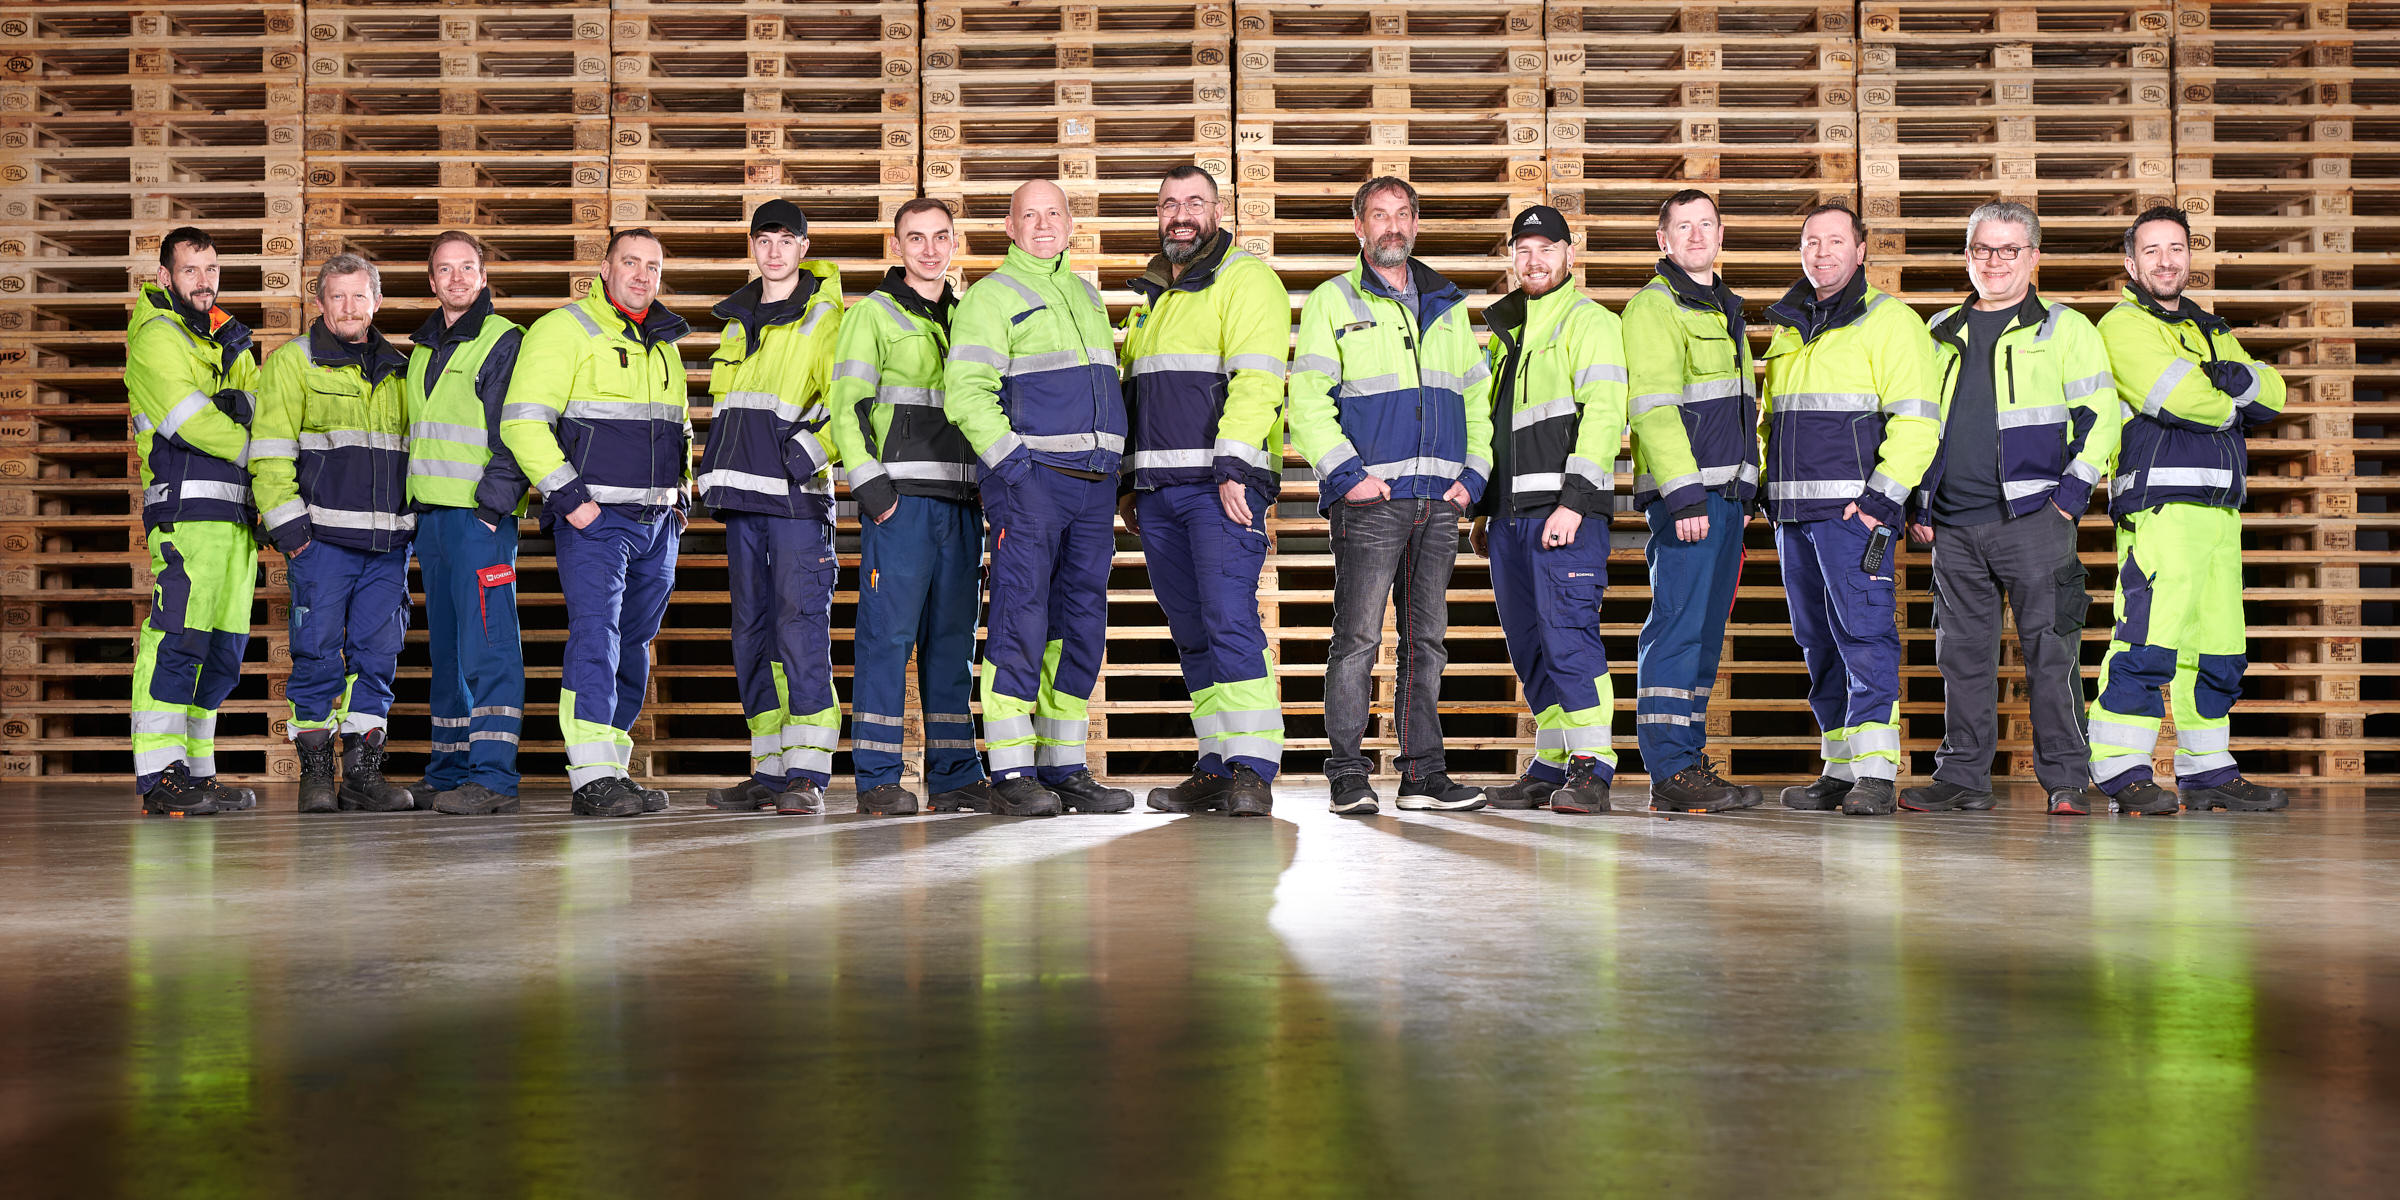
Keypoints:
pixel 975 797
pixel 1247 795
pixel 1584 791
pixel 607 797
pixel 176 794
pixel 1692 789
pixel 1353 796
pixel 473 800
pixel 802 799
pixel 319 793
pixel 2146 799
pixel 1023 796
pixel 1202 792
pixel 1529 791
pixel 748 796
pixel 1080 792
pixel 2239 795
pixel 364 789
pixel 228 799
pixel 653 800
pixel 1869 798
pixel 1440 792
pixel 1750 795
pixel 1944 796
pixel 889 800
pixel 2069 802
pixel 1825 795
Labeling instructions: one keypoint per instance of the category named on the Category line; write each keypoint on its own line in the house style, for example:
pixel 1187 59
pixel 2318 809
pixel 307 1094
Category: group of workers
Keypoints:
pixel 1011 422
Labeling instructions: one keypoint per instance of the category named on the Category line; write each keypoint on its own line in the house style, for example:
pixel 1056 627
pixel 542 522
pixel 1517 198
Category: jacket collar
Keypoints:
pixel 469 325
pixel 2184 310
pixel 758 314
pixel 1435 295
pixel 1160 278
pixel 937 310
pixel 376 358
pixel 1691 292
pixel 1801 309
pixel 1020 262
pixel 658 326
pixel 216 325
pixel 2032 310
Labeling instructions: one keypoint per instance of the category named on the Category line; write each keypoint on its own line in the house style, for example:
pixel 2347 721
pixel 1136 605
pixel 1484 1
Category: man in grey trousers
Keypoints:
pixel 2032 425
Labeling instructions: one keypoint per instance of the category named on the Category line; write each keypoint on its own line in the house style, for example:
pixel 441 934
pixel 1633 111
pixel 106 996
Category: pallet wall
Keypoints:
pixel 297 131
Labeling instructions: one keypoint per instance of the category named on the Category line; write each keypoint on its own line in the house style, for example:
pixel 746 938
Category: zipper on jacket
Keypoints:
pixel 2008 367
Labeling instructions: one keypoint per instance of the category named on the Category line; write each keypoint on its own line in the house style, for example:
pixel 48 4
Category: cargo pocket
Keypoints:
pixel 171 596
pixel 2074 600
pixel 1575 595
pixel 2133 617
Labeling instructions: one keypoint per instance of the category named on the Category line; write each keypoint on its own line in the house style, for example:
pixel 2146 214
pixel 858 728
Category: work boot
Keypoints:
pixel 2069 802
pixel 473 800
pixel 1529 791
pixel 748 796
pixel 1202 792
pixel 1868 798
pixel 1944 796
pixel 801 799
pixel 364 789
pixel 889 800
pixel 318 791
pixel 1584 791
pixel 2146 799
pixel 1750 794
pixel 653 800
pixel 1023 796
pixel 1353 796
pixel 228 799
pixel 975 797
pixel 1441 793
pixel 1693 789
pixel 2237 795
pixel 1080 792
pixel 609 796
pixel 1247 795
pixel 176 794
pixel 1825 795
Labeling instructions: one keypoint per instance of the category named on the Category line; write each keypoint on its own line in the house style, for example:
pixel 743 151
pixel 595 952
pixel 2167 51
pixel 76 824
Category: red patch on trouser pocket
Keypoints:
pixel 490 577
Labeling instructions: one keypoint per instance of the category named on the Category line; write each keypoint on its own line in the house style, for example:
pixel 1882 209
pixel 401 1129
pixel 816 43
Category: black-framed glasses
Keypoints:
pixel 2003 253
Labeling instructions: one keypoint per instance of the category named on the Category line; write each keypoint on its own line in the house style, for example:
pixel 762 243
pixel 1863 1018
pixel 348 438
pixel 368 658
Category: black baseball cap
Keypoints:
pixel 1541 220
pixel 779 212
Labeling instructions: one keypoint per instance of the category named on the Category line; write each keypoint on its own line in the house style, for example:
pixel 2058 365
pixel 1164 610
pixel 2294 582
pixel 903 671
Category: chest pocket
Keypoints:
pixel 1379 349
pixel 614 371
pixel 1711 351
pixel 335 402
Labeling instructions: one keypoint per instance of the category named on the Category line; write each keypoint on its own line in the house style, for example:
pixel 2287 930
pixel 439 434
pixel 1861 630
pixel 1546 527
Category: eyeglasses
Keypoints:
pixel 1195 206
pixel 2003 253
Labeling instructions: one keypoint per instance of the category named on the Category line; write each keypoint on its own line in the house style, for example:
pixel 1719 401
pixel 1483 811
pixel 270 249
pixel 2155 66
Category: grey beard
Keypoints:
pixel 1382 257
pixel 1178 255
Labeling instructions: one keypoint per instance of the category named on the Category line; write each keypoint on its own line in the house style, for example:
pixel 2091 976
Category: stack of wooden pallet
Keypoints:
pixel 1103 98
pixel 2283 146
pixel 1753 102
pixel 118 123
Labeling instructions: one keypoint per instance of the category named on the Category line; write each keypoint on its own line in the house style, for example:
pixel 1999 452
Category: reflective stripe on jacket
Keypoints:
pixel 2185 440
pixel 455 456
pixel 1566 418
pixel 194 455
pixel 1375 392
pixel 1204 367
pixel 886 400
pixel 1694 405
pixel 2056 402
pixel 1032 375
pixel 767 450
pixel 1852 404
pixel 599 409
pixel 329 451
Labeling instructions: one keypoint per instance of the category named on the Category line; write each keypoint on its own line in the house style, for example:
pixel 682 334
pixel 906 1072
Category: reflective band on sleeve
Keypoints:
pixel 274 448
pixel 1370 386
pixel 1535 414
pixel 1595 474
pixel 1599 371
pixel 2086 472
pixel 1256 456
pixel 1890 489
pixel 1443 380
pixel 1003 446
pixel 1342 455
pixel 184 410
pixel 1271 364
pixel 529 412
pixel 980 355
pixel 1317 363
pixel 557 479
pixel 282 514
pixel 1650 400
pixel 2077 389
pixel 852 368
pixel 2156 400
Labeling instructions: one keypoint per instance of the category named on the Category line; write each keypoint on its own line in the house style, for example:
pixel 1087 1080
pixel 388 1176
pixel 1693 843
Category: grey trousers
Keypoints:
pixel 1395 552
pixel 2027 563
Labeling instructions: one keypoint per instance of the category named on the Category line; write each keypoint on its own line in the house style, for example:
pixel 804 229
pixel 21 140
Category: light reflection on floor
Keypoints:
pixel 1517 1004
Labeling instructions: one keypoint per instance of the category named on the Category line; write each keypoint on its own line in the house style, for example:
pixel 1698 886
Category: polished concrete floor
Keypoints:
pixel 1486 1004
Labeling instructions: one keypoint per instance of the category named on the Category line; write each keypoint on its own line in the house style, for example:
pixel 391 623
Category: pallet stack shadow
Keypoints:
pixel 2287 162
pixel 118 123
pixel 719 108
pixel 1755 103
pixel 1449 97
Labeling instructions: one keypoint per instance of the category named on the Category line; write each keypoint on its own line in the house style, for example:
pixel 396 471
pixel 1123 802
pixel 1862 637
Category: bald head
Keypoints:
pixel 1038 221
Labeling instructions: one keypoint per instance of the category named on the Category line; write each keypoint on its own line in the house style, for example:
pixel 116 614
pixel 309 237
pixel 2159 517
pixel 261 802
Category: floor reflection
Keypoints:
pixel 1470 1005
